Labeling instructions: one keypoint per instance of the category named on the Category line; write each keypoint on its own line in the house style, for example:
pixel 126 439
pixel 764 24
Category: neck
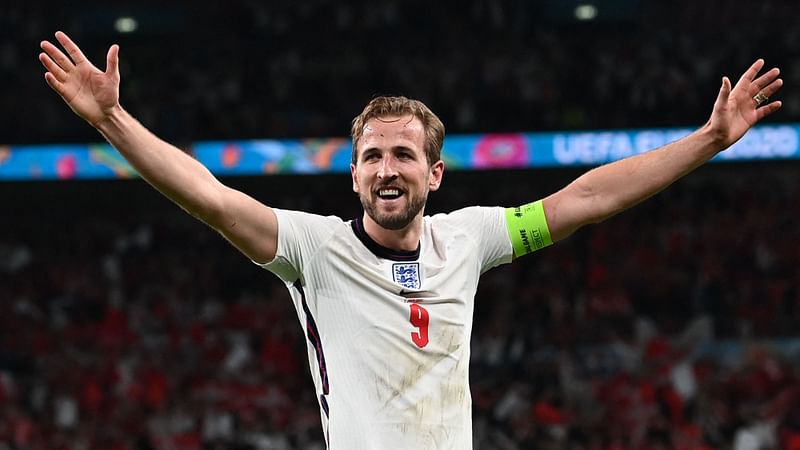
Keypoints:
pixel 404 239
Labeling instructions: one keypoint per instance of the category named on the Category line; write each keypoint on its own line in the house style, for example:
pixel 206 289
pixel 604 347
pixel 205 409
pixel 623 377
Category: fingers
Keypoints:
pixel 72 50
pixel 760 88
pixel 768 109
pixel 112 60
pixel 56 55
pixel 53 82
pixel 724 93
pixel 772 88
pixel 750 74
pixel 765 80
pixel 52 67
pixel 764 87
pixel 57 64
pixel 725 89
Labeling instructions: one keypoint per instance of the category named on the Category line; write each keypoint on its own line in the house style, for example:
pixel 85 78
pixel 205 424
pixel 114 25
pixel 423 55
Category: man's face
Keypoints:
pixel 392 176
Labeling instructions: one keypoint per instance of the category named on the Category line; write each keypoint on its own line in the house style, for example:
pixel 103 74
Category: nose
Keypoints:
pixel 387 169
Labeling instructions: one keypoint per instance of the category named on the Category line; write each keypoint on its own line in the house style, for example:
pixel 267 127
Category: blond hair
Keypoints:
pixel 400 106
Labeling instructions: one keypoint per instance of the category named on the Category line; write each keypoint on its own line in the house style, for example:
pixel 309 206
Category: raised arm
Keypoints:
pixel 606 190
pixel 94 95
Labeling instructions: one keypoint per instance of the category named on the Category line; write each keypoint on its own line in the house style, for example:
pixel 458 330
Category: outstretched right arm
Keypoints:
pixel 93 94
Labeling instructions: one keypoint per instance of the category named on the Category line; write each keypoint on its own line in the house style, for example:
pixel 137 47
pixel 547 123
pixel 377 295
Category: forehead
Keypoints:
pixel 392 131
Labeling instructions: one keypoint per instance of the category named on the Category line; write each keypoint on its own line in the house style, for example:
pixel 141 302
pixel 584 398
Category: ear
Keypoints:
pixel 436 174
pixel 354 177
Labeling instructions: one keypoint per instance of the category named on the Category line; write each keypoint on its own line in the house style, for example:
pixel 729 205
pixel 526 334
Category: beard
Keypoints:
pixel 395 220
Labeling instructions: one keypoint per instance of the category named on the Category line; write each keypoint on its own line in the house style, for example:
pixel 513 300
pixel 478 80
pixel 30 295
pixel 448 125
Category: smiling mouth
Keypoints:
pixel 389 193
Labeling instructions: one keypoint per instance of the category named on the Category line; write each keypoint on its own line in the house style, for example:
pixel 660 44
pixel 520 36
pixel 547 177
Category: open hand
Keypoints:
pixel 90 92
pixel 737 110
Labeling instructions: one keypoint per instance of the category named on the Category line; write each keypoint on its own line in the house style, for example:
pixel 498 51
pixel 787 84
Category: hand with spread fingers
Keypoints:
pixel 737 110
pixel 90 92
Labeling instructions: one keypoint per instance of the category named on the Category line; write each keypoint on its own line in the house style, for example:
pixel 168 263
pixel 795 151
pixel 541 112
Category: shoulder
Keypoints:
pixel 307 229
pixel 306 217
pixel 303 220
pixel 482 228
pixel 301 236
pixel 468 217
pixel 473 222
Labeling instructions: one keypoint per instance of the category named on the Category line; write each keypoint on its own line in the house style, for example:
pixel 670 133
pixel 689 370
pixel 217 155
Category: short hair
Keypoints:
pixel 384 106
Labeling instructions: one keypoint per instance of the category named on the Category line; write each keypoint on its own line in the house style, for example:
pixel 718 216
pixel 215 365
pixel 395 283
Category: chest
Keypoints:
pixel 425 304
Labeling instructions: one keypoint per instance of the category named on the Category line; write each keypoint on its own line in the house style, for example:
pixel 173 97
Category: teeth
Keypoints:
pixel 389 192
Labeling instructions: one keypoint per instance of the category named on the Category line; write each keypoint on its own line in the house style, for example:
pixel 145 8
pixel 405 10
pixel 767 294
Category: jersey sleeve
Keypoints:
pixel 486 226
pixel 300 235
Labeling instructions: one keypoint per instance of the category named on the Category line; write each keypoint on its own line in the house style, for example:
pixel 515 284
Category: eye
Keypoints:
pixel 405 156
pixel 371 156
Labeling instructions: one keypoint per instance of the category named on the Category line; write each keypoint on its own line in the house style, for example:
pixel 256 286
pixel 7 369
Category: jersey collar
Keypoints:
pixel 379 250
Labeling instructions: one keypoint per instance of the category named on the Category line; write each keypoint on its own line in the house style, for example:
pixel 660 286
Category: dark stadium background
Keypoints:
pixel 123 322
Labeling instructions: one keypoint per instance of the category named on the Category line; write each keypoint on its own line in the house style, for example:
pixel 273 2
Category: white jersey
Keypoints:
pixel 389 331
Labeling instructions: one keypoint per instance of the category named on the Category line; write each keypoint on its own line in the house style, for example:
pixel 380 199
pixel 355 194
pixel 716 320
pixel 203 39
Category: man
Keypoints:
pixel 386 300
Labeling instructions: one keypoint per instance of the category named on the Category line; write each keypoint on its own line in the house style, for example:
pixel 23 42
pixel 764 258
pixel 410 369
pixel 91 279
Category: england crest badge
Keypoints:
pixel 406 275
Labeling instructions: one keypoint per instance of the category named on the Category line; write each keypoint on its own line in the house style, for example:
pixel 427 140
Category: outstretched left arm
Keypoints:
pixel 614 187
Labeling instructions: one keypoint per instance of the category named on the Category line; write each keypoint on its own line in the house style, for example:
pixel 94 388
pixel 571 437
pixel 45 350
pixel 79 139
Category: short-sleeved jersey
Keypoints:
pixel 389 331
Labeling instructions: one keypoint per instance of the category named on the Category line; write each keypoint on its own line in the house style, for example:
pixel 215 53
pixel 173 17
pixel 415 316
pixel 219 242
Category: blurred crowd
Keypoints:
pixel 126 325
pixel 252 69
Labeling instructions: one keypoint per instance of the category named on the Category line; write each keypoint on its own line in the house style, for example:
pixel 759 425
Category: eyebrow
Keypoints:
pixel 396 148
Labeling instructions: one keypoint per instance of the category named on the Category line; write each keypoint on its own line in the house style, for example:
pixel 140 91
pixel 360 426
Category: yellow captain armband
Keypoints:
pixel 528 229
